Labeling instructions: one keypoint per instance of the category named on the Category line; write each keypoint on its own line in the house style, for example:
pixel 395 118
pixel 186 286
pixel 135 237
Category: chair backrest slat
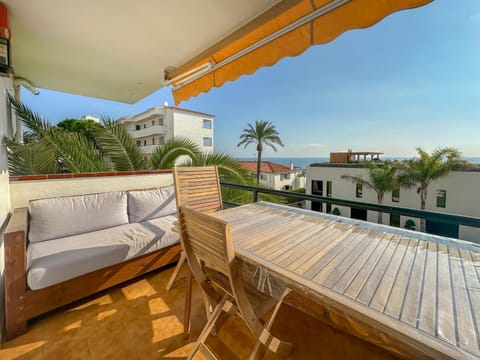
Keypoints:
pixel 198 188
pixel 206 238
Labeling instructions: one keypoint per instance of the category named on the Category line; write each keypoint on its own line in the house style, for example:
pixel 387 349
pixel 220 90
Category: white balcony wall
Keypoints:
pixel 21 192
pixel 149 131
pixel 4 200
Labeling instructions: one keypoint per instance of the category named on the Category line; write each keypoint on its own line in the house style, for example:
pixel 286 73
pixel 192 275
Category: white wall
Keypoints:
pixel 463 195
pixel 23 191
pixel 186 124
pixel 274 181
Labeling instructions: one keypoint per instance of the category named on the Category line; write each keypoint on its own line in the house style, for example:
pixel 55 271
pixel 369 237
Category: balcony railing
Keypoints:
pixel 149 131
pixel 416 213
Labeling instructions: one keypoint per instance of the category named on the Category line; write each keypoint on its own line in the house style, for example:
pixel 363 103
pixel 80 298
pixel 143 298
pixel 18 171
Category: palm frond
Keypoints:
pixel 30 159
pixel 33 121
pixel 229 169
pixel 165 156
pixel 119 146
pixel 76 153
pixel 358 179
pixel 263 132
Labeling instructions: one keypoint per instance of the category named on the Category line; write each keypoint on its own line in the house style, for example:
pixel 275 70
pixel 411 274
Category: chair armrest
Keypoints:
pixel 15 238
pixel 18 221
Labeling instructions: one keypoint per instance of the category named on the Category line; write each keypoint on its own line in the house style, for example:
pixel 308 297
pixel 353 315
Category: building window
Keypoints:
pixel 137 127
pixel 207 124
pixel 153 122
pixel 144 142
pixel 317 187
pixel 207 141
pixel 359 190
pixel 395 220
pixel 285 176
pixel 441 198
pixel 144 126
pixel 161 140
pixel 329 189
pixel 139 143
pixel 262 176
pixel 396 195
pixel 153 141
pixel 287 187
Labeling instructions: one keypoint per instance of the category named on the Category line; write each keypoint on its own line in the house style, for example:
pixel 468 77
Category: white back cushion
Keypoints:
pixel 71 215
pixel 150 204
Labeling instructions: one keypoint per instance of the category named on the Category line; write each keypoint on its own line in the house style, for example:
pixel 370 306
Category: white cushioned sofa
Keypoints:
pixel 62 249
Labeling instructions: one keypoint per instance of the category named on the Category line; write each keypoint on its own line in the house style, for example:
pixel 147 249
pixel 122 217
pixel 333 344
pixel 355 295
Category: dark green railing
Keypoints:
pixel 427 215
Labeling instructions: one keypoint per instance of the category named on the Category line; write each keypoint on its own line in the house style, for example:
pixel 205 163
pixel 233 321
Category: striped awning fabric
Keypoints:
pixel 287 29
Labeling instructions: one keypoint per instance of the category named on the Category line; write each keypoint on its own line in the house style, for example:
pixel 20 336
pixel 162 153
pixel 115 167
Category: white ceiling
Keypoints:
pixel 116 49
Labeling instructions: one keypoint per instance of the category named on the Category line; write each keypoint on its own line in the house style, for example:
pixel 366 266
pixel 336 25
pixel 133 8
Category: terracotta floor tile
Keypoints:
pixel 141 320
pixel 22 350
pixel 138 289
pixel 168 346
pixel 70 346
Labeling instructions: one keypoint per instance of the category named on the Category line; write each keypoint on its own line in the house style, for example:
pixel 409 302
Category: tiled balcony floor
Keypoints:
pixel 141 320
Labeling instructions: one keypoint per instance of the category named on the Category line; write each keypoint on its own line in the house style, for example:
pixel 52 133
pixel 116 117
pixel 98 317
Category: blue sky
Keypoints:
pixel 412 80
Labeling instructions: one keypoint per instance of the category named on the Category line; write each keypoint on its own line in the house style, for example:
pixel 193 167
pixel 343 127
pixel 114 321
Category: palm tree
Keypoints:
pixel 264 133
pixel 426 168
pixel 51 149
pixel 381 180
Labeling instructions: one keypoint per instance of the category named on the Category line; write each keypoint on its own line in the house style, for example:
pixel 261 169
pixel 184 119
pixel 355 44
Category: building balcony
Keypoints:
pixel 140 319
pixel 148 149
pixel 150 131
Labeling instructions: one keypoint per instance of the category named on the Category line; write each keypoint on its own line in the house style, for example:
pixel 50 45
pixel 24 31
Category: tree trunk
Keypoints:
pixel 259 163
pixel 423 201
pixel 380 214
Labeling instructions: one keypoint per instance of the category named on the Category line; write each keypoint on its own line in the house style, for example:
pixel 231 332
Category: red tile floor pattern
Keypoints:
pixel 141 320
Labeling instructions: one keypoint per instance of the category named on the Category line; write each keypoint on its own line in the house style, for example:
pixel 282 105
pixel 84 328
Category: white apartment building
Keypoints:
pixel 276 176
pixel 157 125
pixel 456 194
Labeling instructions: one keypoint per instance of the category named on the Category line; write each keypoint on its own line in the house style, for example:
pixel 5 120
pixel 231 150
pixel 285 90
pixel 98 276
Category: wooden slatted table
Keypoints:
pixel 416 295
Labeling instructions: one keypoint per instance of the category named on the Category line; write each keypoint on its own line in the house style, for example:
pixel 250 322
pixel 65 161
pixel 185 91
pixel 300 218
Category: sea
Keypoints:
pixel 304 162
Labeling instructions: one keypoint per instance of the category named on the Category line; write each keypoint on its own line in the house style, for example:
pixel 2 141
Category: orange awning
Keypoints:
pixel 287 29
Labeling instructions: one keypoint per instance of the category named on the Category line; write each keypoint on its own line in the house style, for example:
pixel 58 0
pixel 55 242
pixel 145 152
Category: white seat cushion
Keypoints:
pixel 53 261
pixel 70 215
pixel 150 204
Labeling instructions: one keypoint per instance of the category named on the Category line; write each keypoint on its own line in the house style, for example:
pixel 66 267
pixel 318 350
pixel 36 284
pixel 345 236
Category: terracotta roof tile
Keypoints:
pixel 266 167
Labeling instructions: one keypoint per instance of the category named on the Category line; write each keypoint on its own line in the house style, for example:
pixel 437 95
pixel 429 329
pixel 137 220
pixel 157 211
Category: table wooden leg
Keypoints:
pixel 188 305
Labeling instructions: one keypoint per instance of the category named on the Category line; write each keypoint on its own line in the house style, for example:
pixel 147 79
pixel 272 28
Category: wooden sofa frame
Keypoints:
pixel 22 304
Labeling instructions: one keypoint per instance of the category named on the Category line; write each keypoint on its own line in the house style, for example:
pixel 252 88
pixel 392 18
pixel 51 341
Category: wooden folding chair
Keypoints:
pixel 207 239
pixel 198 188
